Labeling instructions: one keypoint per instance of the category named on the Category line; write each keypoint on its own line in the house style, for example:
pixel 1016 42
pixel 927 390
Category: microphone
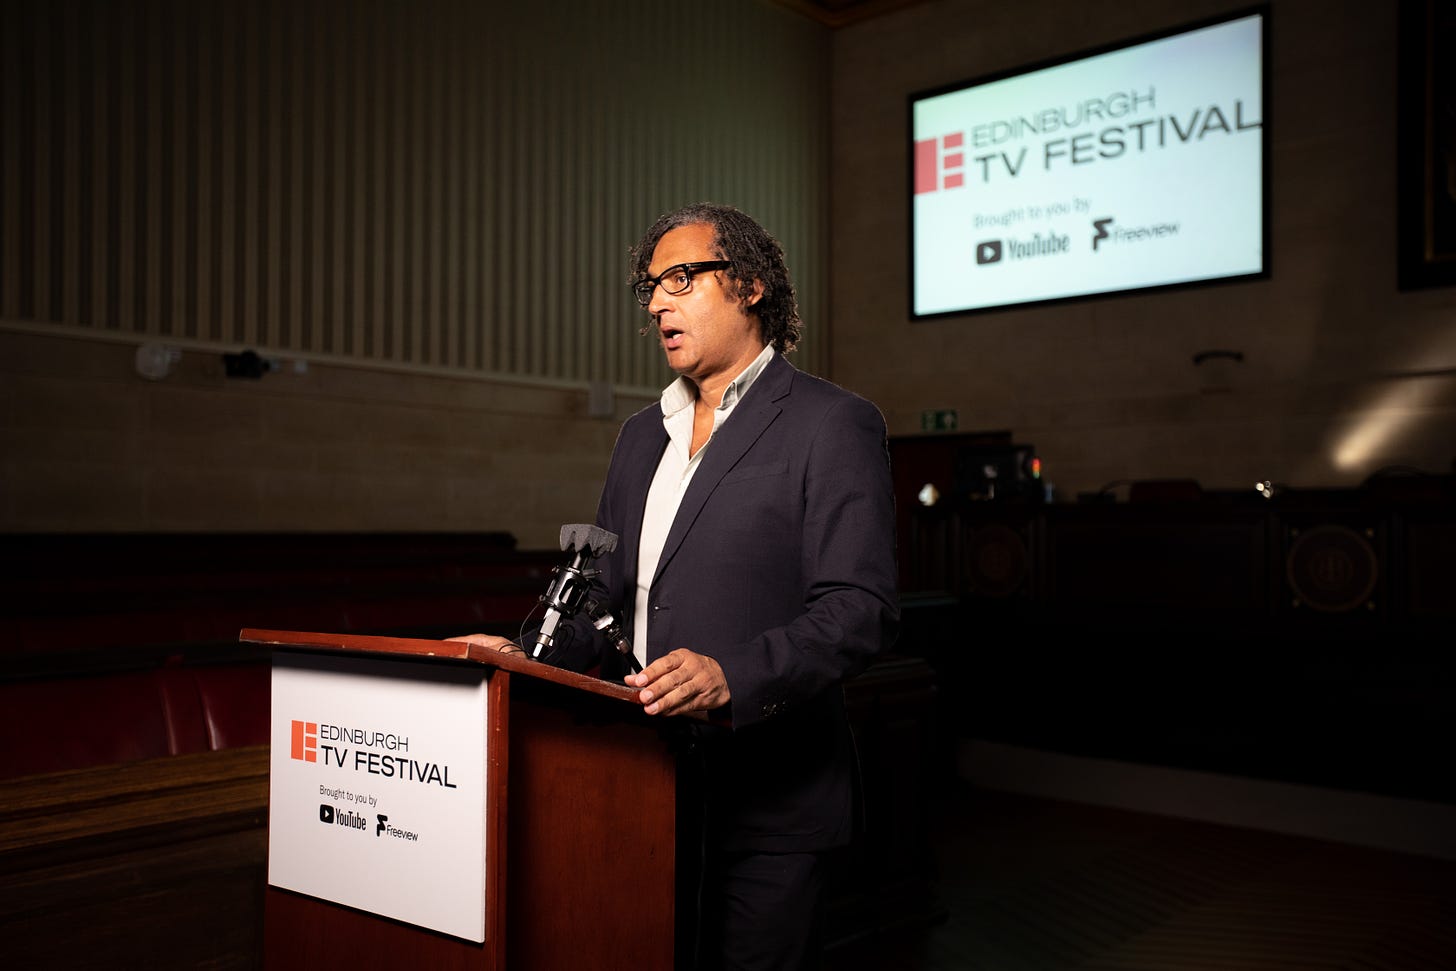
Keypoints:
pixel 603 621
pixel 570 584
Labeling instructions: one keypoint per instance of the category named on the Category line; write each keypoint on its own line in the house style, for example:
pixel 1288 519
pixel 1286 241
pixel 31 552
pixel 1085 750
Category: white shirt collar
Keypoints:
pixel 682 392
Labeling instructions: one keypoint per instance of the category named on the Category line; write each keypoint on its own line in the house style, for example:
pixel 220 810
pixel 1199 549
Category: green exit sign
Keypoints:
pixel 938 420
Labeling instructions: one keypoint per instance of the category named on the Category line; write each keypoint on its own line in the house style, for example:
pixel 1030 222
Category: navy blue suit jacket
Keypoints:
pixel 780 565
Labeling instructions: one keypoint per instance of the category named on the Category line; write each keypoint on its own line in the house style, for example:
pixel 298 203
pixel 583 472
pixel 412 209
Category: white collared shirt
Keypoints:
pixel 674 472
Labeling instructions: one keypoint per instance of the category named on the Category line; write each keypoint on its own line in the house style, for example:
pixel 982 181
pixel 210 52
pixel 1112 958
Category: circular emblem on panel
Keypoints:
pixel 1332 568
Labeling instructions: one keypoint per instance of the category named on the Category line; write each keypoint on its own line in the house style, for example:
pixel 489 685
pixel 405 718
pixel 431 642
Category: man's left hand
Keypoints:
pixel 681 682
pixel 490 641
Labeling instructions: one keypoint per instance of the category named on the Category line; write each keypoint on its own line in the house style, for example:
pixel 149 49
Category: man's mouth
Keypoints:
pixel 671 338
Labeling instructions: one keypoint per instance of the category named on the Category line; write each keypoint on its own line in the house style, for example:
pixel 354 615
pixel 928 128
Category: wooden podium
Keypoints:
pixel 589 861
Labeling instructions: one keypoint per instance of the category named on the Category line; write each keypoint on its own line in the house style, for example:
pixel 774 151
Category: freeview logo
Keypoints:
pixel 305 742
pixel 940 163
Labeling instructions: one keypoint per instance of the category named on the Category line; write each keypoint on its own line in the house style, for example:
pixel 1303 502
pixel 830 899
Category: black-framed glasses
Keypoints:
pixel 674 279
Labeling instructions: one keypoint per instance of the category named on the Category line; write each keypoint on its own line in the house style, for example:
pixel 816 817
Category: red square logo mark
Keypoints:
pixel 305 741
pixel 940 163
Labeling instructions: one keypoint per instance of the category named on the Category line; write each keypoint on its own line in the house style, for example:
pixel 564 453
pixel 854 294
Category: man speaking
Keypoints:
pixel 755 570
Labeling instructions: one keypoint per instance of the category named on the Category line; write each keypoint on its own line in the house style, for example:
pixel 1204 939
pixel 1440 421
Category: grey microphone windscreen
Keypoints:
pixel 581 535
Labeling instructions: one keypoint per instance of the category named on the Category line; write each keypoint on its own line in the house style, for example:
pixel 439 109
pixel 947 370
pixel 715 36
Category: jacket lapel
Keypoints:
pixel 751 416
pixel 639 468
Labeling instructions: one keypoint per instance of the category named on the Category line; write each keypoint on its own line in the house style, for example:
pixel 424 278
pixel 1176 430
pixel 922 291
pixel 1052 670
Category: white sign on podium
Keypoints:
pixel 377 787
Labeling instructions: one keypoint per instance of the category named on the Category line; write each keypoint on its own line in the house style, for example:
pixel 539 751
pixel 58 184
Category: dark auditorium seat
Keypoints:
pixel 174 709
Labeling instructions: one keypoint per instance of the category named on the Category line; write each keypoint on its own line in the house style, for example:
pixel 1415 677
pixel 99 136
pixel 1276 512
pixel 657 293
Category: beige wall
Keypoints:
pixel 90 445
pixel 429 204
pixel 1337 379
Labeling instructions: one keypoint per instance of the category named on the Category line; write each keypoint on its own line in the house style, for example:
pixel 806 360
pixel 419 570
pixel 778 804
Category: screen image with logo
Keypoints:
pixel 1132 167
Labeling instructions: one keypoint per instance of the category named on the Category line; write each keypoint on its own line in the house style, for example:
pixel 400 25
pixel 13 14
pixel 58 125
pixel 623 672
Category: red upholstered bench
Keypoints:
pixel 234 700
pixel 58 723
pixel 121 647
pixel 71 723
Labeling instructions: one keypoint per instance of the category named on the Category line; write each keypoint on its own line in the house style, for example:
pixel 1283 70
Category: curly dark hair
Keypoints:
pixel 755 255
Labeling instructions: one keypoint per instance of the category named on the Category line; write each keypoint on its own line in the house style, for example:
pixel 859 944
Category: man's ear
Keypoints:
pixel 757 293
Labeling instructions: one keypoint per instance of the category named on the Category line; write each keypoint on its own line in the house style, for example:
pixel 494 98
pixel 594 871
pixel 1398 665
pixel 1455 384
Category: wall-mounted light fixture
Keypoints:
pixel 247 364
pixel 1268 488
pixel 154 360
pixel 601 401
pixel 1216 368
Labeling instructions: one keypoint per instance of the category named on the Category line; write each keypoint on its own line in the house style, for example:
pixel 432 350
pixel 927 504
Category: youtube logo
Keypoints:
pixel 988 251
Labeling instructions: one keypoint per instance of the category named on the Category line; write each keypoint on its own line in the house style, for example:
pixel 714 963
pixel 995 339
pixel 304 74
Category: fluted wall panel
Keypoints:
pixel 439 185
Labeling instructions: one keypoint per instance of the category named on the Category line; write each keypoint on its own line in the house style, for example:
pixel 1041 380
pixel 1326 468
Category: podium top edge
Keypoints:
pixel 421 648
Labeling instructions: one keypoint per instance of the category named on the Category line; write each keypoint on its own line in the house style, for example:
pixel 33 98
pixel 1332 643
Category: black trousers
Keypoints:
pixel 761 911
